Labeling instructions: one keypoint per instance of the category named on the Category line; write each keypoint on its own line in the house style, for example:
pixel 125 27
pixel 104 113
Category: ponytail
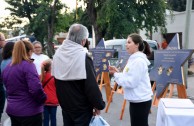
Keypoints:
pixel 141 46
pixel 146 49
pixel 21 51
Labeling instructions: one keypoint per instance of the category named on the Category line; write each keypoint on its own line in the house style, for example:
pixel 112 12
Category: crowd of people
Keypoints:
pixel 35 85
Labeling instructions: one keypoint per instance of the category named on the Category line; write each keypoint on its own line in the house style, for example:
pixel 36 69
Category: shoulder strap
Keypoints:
pixel 47 81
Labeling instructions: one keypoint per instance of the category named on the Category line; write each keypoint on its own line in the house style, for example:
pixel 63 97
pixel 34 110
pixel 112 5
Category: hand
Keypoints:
pixel 96 112
pixel 113 69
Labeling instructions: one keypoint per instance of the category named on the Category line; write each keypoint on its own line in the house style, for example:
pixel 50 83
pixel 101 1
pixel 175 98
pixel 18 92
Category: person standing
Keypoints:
pixel 25 95
pixel 77 90
pixel 135 81
pixel 164 44
pixel 48 83
pixel 7 54
pixel 2 90
pixel 38 56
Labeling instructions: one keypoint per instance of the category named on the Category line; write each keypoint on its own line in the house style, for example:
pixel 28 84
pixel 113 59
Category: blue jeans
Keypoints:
pixel 50 115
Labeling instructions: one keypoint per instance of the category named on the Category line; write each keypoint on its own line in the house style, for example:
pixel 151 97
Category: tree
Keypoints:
pixel 92 9
pixel 23 8
pixel 64 21
pixel 178 5
pixel 118 18
pixel 10 21
pixel 42 15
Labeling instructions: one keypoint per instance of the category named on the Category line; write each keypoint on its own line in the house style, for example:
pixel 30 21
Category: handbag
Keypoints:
pixel 98 121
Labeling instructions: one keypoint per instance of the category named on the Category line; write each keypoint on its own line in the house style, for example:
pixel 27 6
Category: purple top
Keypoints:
pixel 25 96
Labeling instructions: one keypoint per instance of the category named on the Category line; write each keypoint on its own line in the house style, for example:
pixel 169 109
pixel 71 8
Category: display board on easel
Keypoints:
pixel 100 57
pixel 168 70
pixel 122 61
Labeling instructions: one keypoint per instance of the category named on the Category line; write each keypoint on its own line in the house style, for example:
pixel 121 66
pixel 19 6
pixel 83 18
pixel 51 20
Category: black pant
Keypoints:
pixel 77 118
pixel 139 113
pixel 2 99
pixel 35 120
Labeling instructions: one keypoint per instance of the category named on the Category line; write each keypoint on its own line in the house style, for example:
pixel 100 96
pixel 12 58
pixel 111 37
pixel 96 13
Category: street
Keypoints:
pixel 113 115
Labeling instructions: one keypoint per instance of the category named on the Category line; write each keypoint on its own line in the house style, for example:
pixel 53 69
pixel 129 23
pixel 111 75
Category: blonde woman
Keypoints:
pixel 25 96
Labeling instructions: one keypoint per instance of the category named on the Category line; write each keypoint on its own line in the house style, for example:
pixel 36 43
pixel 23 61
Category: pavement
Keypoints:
pixel 113 115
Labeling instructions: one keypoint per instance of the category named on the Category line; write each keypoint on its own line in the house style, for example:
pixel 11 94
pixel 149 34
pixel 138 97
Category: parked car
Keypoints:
pixel 119 44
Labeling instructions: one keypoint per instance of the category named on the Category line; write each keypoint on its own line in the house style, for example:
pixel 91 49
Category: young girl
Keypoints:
pixel 48 83
pixel 135 81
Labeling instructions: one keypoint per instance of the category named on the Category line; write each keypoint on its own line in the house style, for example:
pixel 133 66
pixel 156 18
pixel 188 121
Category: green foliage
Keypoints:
pixel 43 17
pixel 64 21
pixel 39 13
pixel 122 17
pixel 82 18
pixel 10 21
pixel 23 8
pixel 110 18
pixel 118 18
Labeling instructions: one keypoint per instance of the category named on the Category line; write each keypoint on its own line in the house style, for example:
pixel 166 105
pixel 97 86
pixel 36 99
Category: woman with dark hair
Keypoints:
pixel 6 55
pixel 25 96
pixel 135 81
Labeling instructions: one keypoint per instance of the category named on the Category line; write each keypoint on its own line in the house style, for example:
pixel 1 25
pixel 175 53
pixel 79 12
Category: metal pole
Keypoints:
pixel 186 35
pixel 187 23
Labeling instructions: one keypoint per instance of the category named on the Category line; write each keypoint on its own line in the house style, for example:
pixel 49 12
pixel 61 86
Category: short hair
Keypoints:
pixel 21 51
pixel 7 50
pixel 77 33
pixel 36 42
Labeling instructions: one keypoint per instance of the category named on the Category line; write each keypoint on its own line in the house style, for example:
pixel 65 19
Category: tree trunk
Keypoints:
pixel 98 34
pixel 92 14
pixel 51 21
pixel 50 48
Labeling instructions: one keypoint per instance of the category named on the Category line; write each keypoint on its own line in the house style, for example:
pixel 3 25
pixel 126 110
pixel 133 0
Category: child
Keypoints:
pixel 48 83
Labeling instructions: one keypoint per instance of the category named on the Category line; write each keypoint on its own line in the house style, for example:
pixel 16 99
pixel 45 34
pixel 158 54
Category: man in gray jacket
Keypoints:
pixel 77 89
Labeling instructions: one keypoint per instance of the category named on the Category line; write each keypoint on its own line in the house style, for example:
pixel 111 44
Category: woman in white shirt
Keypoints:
pixel 38 56
pixel 135 81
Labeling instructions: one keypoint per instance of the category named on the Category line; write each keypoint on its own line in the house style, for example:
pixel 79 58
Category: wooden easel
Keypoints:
pixel 105 81
pixel 181 89
pixel 119 91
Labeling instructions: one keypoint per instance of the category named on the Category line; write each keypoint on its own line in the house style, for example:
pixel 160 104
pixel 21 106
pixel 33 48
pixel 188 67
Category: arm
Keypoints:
pixel 34 84
pixel 91 87
pixel 130 76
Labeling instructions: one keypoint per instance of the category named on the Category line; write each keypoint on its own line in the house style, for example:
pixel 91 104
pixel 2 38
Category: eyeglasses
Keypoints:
pixel 37 47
